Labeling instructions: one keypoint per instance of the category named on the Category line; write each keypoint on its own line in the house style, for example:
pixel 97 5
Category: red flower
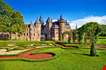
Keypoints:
pixel 104 67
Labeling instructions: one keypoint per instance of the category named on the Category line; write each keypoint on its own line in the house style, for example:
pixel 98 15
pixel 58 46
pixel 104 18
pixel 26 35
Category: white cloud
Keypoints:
pixel 80 22
pixel 54 20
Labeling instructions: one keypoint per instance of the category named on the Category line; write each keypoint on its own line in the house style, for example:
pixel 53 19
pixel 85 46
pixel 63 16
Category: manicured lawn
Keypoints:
pixel 66 59
pixel 101 41
pixel 5 43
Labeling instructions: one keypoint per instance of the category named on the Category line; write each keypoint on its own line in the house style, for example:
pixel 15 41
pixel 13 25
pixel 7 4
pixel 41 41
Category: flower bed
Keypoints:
pixel 29 56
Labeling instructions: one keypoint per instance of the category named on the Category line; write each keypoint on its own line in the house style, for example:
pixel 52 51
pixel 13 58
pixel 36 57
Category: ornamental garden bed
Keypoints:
pixel 28 56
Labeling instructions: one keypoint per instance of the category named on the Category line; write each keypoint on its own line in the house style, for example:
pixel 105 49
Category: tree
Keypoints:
pixel 5 9
pixel 18 23
pixel 93 29
pixel 6 24
pixel 10 21
pixel 103 29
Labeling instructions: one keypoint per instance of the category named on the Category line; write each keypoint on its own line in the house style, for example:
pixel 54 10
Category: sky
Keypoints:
pixel 73 10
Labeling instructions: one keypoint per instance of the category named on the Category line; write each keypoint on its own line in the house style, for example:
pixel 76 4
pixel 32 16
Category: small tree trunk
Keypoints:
pixel 93 49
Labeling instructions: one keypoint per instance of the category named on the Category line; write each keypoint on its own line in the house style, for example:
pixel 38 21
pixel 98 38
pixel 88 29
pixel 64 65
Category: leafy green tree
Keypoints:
pixel 18 23
pixel 5 9
pixel 10 21
pixel 103 29
pixel 93 29
pixel 6 24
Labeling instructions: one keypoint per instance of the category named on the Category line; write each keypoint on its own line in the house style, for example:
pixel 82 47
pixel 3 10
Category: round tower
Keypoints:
pixel 31 31
pixel 41 20
pixel 48 28
pixel 55 32
pixel 37 25
pixel 27 32
pixel 62 26
pixel 49 23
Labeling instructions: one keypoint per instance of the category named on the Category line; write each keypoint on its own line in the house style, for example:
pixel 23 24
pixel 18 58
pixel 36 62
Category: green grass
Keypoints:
pixel 4 43
pixel 67 59
pixel 72 45
pixel 101 41
pixel 102 37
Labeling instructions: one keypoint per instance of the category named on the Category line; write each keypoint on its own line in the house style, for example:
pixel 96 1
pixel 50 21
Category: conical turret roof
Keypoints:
pixel 37 21
pixel 49 20
pixel 61 19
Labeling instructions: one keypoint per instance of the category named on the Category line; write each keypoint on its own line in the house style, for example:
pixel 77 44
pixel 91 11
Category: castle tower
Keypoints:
pixel 27 33
pixel 49 25
pixel 62 26
pixel 42 28
pixel 31 32
pixel 55 32
pixel 37 25
pixel 41 21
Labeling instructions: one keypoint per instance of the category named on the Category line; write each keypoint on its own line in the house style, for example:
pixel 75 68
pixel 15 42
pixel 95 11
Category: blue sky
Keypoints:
pixel 70 9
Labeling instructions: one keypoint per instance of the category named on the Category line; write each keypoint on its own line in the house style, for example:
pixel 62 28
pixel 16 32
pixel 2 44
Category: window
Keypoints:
pixel 27 33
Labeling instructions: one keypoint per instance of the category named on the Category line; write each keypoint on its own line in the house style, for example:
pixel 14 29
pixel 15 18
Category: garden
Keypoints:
pixel 85 48
pixel 64 59
pixel 57 57
pixel 88 53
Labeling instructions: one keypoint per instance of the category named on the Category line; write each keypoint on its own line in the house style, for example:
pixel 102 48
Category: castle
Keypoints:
pixel 40 31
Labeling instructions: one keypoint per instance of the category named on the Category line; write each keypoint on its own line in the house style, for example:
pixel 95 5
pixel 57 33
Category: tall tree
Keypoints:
pixel 5 9
pixel 93 29
pixel 103 29
pixel 6 24
pixel 10 21
pixel 18 23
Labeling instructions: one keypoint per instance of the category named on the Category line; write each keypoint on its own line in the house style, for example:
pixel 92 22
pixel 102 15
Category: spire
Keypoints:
pixel 61 17
pixel 37 21
pixel 41 20
pixel 49 20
